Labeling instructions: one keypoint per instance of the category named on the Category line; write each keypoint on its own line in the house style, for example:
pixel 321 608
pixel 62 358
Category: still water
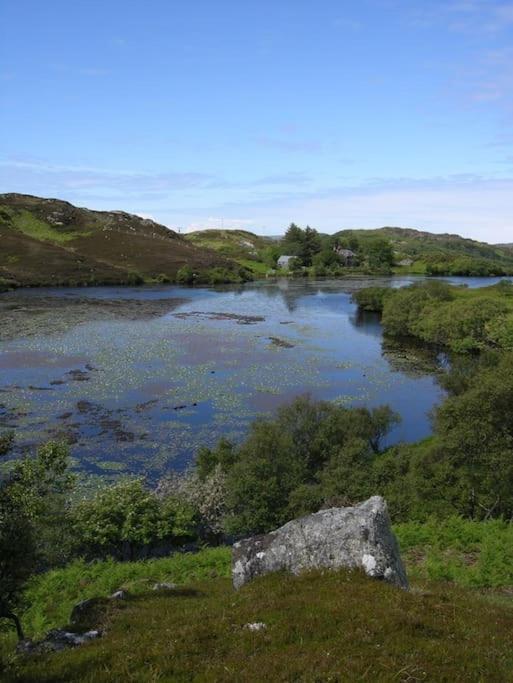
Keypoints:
pixel 136 379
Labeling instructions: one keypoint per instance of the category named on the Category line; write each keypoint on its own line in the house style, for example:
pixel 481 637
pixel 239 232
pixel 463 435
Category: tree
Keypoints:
pixel 310 246
pixel 309 453
pixel 379 253
pixel 293 239
pixel 33 504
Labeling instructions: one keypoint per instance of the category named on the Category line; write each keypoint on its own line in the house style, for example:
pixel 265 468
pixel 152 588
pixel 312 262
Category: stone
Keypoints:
pixel 357 537
pixel 119 595
pixel 57 640
pixel 165 586
pixel 88 612
pixel 256 626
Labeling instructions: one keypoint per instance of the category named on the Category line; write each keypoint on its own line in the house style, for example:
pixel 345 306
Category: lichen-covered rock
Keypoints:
pixel 352 537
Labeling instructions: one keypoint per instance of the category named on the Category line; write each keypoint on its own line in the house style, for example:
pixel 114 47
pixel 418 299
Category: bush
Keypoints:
pixel 125 520
pixel 371 298
pixel 185 275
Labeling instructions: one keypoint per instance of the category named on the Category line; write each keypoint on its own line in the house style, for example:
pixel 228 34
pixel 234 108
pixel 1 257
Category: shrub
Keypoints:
pixel 125 519
pixel 185 275
pixel 371 298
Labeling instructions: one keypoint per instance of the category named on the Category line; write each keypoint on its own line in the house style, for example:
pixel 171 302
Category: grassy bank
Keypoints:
pixel 332 626
pixel 467 553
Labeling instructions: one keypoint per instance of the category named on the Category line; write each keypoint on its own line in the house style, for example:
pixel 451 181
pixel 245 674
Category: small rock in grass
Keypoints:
pixel 256 626
pixel 119 595
pixel 165 586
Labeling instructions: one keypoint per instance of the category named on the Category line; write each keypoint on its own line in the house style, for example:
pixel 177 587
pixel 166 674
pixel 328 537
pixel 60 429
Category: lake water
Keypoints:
pixel 138 378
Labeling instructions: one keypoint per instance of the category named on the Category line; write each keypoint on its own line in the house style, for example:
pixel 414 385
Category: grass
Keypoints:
pixel 337 626
pixel 256 267
pixel 468 553
pixel 26 222
pixel 52 595
pixel 455 624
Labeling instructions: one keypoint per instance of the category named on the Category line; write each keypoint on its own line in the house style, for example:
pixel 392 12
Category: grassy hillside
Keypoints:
pixel 455 624
pixel 234 243
pixel 48 241
pixel 319 626
pixel 240 245
pixel 428 249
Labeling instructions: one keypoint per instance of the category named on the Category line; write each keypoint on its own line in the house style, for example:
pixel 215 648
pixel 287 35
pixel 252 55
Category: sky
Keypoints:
pixel 255 113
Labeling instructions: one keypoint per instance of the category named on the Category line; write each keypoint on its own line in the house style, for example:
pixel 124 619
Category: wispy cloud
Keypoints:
pixel 46 177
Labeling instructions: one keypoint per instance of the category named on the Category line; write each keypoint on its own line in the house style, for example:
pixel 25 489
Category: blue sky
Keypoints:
pixel 254 114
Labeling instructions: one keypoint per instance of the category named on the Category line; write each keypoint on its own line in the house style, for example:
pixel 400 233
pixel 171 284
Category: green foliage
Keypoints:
pixel 462 320
pixel 52 595
pixel 185 275
pixel 125 518
pixel 33 500
pixel 6 442
pixel 304 244
pixel 403 307
pixel 467 467
pixel 462 325
pixel 378 254
pixel 466 552
pixel 134 279
pixel 371 298
pixel 312 452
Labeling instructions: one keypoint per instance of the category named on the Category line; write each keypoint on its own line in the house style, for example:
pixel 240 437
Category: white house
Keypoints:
pixel 284 261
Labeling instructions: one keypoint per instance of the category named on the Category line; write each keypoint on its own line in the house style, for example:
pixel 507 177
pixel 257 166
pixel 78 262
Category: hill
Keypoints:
pixel 240 245
pixel 50 242
pixel 429 251
pixel 232 243
pixel 334 626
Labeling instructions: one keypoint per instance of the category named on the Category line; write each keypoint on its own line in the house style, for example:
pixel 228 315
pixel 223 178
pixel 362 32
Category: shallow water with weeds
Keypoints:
pixel 136 379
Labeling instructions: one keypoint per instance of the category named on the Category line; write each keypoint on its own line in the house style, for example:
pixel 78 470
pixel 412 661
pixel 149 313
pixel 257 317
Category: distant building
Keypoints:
pixel 347 256
pixel 284 261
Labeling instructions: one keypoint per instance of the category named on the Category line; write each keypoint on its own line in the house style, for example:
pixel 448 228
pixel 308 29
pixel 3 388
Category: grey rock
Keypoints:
pixel 87 611
pixel 165 587
pixel 256 626
pixel 119 595
pixel 57 640
pixel 352 537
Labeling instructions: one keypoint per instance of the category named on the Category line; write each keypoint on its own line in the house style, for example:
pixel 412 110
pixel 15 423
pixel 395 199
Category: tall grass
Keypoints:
pixel 469 553
pixel 52 595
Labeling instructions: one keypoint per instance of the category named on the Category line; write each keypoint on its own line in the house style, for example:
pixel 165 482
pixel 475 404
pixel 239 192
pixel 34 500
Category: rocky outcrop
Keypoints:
pixel 57 640
pixel 357 537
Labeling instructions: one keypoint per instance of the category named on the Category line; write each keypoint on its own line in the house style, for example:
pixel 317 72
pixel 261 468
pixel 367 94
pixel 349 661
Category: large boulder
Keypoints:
pixel 352 537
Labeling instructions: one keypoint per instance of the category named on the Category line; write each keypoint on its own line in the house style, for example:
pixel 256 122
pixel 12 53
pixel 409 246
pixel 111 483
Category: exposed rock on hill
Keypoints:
pixel 352 537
